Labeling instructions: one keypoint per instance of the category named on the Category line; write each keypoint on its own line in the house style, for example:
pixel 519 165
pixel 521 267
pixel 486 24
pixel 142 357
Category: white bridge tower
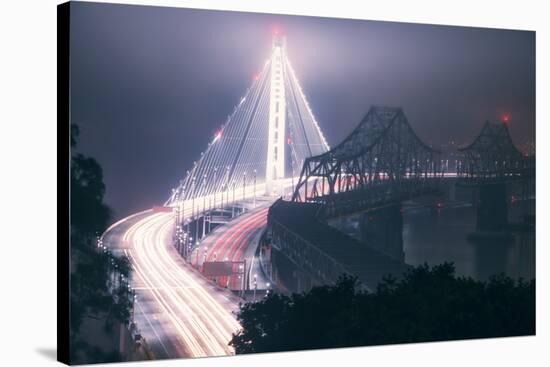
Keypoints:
pixel 275 166
pixel 265 140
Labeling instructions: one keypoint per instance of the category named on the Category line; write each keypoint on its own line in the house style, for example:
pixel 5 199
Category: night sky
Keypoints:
pixel 151 85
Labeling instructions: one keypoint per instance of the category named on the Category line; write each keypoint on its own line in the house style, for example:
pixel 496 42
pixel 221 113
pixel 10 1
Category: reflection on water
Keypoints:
pixel 435 236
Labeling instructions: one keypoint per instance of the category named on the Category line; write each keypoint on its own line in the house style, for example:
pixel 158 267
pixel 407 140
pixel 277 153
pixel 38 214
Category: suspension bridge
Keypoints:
pixel 267 137
pixel 183 277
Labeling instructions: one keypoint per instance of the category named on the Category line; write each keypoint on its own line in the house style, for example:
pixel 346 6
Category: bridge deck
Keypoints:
pixel 369 265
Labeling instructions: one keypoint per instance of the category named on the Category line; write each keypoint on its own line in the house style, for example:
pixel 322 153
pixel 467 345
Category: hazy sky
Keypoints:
pixel 151 85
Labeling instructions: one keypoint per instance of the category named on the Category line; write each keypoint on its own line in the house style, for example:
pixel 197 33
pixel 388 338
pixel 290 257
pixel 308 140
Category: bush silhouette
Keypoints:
pixel 427 304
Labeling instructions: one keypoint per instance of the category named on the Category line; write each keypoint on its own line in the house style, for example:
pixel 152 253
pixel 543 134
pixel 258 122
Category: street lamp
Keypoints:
pixel 292 174
pixel 182 221
pixel 242 273
pixel 205 255
pixel 182 244
pixel 193 181
pixel 244 183
pixel 226 186
pixel 176 225
pixel 267 290
pixel 215 185
pixel 182 202
pixel 134 301
pixel 255 286
pixel 177 213
pixel 233 204
pixel 176 235
pixel 204 206
pixel 221 201
pixel 210 210
pixel 254 188
pixel 197 248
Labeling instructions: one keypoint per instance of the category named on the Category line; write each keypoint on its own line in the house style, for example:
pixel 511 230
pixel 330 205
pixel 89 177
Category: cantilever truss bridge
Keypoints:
pixel 381 160
pixel 493 158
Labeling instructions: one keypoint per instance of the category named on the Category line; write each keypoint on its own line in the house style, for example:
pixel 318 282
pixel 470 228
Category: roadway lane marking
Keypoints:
pixel 153 258
pixel 212 324
pixel 144 233
pixel 155 288
pixel 153 328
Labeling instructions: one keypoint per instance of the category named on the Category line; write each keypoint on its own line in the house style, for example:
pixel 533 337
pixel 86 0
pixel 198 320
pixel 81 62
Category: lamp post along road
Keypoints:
pixel 185 245
pixel 254 188
pixel 193 217
pixel 255 285
pixel 204 207
pixel 242 269
pixel 215 188
pixel 233 203
pixel 226 187
pixel 244 185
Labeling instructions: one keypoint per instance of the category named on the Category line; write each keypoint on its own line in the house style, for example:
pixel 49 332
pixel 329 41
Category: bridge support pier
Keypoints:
pixel 382 230
pixel 288 276
pixel 452 192
pixel 492 209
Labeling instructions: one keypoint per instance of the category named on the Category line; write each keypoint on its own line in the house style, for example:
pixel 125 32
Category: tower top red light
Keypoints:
pixel 276 30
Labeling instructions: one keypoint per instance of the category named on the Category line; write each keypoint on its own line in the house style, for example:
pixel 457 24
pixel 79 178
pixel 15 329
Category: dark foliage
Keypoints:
pixel 96 291
pixel 428 304
pixel 89 215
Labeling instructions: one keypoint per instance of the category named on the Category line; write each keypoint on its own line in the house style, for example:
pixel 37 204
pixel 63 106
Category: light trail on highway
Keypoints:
pixel 201 323
pixel 183 312
pixel 232 244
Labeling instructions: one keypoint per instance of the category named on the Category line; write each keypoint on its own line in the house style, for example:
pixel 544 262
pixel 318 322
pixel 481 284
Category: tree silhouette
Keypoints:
pixel 427 304
pixel 89 215
pixel 94 293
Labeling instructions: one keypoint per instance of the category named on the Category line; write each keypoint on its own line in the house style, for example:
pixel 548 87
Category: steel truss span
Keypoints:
pixel 382 150
pixel 272 122
pixel 492 156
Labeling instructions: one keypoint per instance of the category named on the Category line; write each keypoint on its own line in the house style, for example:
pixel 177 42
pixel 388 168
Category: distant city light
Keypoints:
pixel 506 118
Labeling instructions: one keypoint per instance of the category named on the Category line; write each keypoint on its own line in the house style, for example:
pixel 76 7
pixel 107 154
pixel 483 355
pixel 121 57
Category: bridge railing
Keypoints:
pixel 375 196
pixel 304 254
pixel 316 189
pixel 471 170
pixel 299 232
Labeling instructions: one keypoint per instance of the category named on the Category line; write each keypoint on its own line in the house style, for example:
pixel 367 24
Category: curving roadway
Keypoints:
pixel 179 313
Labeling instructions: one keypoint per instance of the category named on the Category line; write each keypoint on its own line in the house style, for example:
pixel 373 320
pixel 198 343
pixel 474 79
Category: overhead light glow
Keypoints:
pixel 218 136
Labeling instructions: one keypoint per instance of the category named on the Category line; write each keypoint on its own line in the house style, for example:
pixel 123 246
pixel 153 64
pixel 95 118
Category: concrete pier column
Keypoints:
pixel 382 230
pixel 452 192
pixel 492 210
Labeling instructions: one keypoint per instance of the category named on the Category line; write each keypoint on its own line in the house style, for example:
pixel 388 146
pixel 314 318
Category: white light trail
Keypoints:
pixel 202 324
